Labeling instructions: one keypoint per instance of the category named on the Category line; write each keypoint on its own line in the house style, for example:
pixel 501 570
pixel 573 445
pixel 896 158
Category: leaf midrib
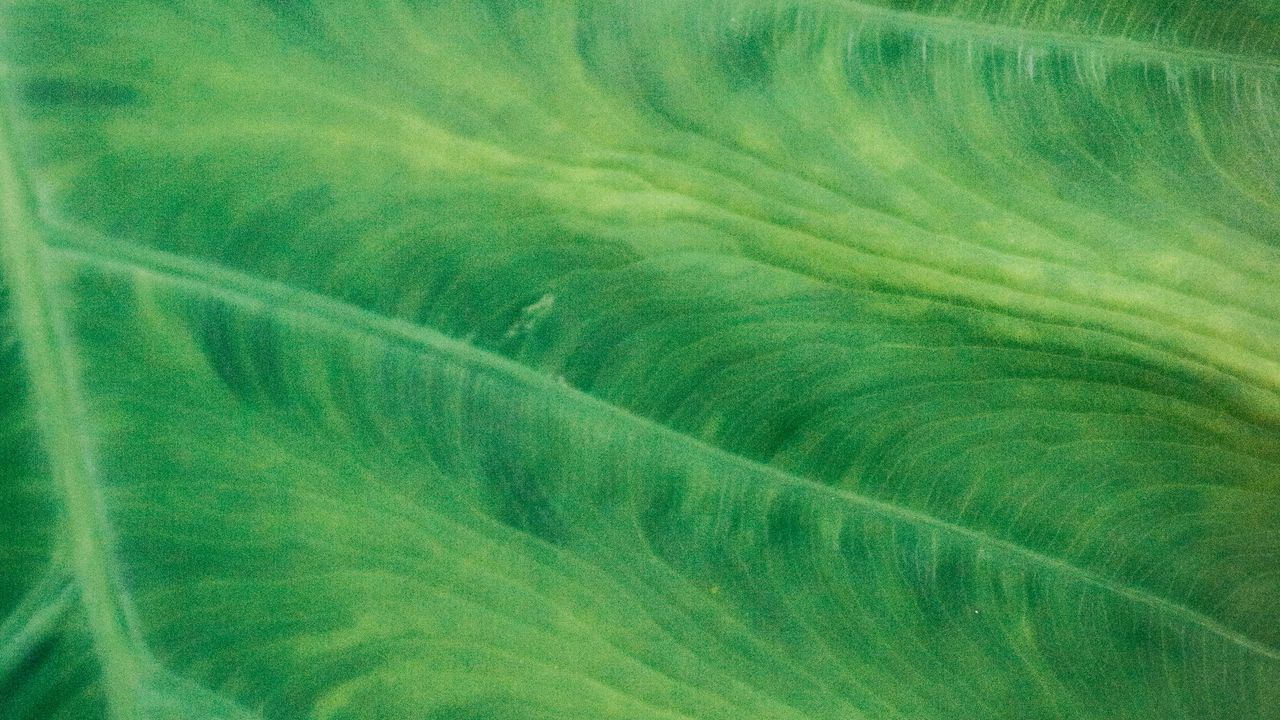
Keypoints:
pixel 214 280
pixel 61 418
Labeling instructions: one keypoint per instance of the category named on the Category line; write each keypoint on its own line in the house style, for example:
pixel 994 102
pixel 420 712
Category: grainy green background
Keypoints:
pixel 705 360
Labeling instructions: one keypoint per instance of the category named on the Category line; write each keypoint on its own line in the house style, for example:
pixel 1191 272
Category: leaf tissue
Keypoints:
pixel 662 360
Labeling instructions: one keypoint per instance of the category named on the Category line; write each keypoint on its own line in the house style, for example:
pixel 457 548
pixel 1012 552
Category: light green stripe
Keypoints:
pixel 62 424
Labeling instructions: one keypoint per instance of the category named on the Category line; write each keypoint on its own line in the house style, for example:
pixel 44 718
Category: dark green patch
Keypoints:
pixel 748 51
pixel 788 523
pixel 81 94
pixel 301 21
pixel 520 494
pixel 871 57
pixel 245 353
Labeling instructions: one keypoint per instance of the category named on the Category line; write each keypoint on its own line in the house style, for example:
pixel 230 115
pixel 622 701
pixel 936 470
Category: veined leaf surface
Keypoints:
pixel 663 360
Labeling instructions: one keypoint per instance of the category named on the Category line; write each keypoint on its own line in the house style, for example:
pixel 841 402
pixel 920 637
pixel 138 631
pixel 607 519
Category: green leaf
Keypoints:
pixel 663 360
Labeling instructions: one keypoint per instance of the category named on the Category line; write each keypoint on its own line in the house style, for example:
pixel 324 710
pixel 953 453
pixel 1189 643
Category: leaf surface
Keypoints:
pixel 666 360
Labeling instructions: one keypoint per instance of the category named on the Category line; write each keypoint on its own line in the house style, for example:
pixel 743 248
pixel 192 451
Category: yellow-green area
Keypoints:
pixel 723 360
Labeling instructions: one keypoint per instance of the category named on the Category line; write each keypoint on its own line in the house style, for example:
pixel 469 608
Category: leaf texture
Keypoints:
pixel 730 359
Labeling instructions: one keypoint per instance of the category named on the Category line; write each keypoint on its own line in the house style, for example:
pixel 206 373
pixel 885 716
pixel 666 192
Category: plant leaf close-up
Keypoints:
pixel 662 360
